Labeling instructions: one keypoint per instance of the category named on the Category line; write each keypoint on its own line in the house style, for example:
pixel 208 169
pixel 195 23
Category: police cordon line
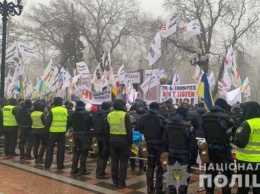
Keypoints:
pixel 161 135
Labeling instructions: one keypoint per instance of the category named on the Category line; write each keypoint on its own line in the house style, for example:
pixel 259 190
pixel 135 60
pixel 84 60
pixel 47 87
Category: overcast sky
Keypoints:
pixel 151 6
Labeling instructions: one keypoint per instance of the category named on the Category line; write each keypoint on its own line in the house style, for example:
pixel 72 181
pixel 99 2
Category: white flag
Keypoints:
pixel 222 92
pixel 26 49
pixel 150 82
pixel 236 81
pixel 72 81
pixel 121 74
pixel 82 68
pixel 155 50
pixel 17 77
pixel 229 58
pixel 176 80
pixel 97 77
pixel 211 79
pixel 234 96
pixel 170 24
pixel 197 75
pixel 11 53
pixel 226 81
pixel 190 30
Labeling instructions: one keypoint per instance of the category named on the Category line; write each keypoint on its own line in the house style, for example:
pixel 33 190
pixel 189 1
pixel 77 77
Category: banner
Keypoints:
pixel 155 52
pixel 86 76
pixel 179 93
pixel 11 53
pixel 132 77
pixel 95 97
pixel 170 24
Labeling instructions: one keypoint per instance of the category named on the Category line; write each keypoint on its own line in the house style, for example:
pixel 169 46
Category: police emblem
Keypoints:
pixel 239 129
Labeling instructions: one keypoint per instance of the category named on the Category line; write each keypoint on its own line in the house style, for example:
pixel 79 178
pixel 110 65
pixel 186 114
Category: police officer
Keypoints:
pixel 10 127
pixel 81 122
pixel 24 121
pixel 180 144
pixel 39 132
pixel 56 124
pixel 216 124
pixel 247 140
pixel 152 126
pixel 137 110
pixel 102 133
pixel 121 138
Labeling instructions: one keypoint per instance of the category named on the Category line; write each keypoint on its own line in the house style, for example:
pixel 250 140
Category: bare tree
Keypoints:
pixel 222 22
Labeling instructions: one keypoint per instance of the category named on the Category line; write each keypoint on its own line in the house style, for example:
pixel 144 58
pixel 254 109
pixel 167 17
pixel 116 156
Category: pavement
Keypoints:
pixel 27 177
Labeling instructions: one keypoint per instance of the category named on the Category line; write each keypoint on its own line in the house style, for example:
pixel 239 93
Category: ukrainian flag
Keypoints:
pixel 203 91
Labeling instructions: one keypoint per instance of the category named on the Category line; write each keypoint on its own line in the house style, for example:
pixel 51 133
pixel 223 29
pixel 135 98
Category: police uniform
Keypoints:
pixel 102 133
pixel 39 132
pixel 180 144
pixel 23 119
pixel 121 137
pixel 247 140
pixel 81 122
pixel 10 127
pixel 152 126
pixel 216 124
pixel 57 125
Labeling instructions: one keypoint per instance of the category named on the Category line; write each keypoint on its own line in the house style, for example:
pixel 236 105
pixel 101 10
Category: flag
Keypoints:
pixel 151 81
pixel 17 78
pixel 170 24
pixel 155 50
pixel 197 75
pixel 203 91
pixel 226 81
pixel 11 53
pixel 246 87
pixel 235 77
pixel 222 92
pixel 190 30
pixel 26 49
pixel 176 80
pixel 72 81
pixel 47 77
pixel 234 96
pixel 211 79
pixel 229 58
pixel 121 74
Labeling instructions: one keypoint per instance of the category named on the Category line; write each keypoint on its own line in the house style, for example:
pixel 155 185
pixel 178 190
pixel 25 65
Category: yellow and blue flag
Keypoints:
pixel 203 91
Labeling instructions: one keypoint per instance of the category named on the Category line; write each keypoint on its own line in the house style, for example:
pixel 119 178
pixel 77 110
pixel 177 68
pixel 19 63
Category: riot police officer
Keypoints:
pixel 102 133
pixel 56 124
pixel 121 138
pixel 10 127
pixel 81 122
pixel 24 121
pixel 180 144
pixel 152 126
pixel 216 124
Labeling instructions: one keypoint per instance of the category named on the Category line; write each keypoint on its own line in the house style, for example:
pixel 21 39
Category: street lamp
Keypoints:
pixel 200 60
pixel 7 9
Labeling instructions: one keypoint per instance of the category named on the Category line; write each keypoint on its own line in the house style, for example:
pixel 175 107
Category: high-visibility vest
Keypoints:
pixel 251 153
pixel 116 120
pixel 59 119
pixel 36 117
pixel 8 117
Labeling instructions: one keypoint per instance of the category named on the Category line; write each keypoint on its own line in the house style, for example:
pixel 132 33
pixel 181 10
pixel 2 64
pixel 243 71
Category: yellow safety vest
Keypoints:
pixel 9 119
pixel 251 153
pixel 116 120
pixel 37 120
pixel 59 119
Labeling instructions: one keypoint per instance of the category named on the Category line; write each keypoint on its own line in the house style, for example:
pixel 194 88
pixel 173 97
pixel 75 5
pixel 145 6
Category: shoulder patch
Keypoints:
pixel 239 129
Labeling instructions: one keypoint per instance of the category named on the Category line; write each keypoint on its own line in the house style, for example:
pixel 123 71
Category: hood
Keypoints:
pixel 216 109
pixel 251 110
pixel 201 110
pixel 153 111
pixel 177 118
